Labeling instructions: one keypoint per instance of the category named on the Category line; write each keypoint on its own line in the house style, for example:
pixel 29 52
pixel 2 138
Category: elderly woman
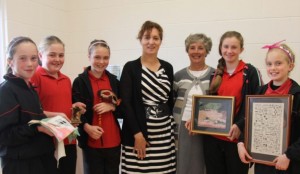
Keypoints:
pixel 191 80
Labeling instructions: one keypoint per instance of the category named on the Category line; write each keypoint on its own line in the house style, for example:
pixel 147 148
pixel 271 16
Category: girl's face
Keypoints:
pixel 53 58
pixel 197 53
pixel 99 59
pixel 25 61
pixel 278 66
pixel 151 42
pixel 231 49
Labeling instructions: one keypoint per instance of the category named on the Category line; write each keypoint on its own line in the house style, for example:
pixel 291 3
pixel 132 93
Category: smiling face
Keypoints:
pixel 151 42
pixel 231 49
pixel 25 61
pixel 99 59
pixel 278 66
pixel 53 58
pixel 197 53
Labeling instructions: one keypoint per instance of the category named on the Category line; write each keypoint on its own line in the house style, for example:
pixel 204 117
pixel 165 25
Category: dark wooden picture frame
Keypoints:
pixel 267 126
pixel 212 115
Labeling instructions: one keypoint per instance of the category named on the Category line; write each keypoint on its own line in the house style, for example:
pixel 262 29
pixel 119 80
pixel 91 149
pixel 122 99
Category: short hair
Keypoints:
pixel 198 37
pixel 147 27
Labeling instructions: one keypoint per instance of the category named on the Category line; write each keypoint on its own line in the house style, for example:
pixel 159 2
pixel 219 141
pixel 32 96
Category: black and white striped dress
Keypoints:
pixel 160 156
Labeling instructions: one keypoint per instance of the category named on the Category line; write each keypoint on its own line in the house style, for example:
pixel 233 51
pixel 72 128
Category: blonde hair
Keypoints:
pixel 47 41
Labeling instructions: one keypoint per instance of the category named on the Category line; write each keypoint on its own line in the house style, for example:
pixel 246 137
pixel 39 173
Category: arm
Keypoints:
pixel 293 151
pixel 126 92
pixel 78 99
pixel 12 132
pixel 253 81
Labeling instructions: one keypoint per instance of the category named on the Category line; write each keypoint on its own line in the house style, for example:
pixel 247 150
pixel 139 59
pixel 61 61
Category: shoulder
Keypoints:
pixel 165 64
pixel 262 89
pixel 211 70
pixel 132 65
pixel 250 67
pixel 182 71
pixel 111 76
pixel 295 88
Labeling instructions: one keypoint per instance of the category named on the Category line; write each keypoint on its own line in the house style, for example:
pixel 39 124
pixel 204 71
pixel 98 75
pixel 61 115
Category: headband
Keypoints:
pixel 278 45
pixel 99 42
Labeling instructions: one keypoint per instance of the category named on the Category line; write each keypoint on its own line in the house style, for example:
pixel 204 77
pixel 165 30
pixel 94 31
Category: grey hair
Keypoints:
pixel 198 37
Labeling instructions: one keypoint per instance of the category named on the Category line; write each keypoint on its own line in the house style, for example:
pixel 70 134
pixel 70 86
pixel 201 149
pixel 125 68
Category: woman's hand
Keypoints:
pixel 282 162
pixel 94 132
pixel 103 107
pixel 234 132
pixel 140 145
pixel 243 154
pixel 188 126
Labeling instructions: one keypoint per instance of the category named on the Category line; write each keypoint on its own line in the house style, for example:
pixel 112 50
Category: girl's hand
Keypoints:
pixel 188 126
pixel 82 107
pixel 282 162
pixel 103 107
pixel 243 154
pixel 140 145
pixel 234 132
pixel 94 132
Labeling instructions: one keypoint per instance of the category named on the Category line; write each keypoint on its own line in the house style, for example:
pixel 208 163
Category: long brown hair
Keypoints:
pixel 217 80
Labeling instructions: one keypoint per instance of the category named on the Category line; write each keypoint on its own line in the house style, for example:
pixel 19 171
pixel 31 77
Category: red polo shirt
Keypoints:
pixel 111 136
pixel 232 86
pixel 55 94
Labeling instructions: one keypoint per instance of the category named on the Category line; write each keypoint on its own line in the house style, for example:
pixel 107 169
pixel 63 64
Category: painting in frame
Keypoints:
pixel 212 115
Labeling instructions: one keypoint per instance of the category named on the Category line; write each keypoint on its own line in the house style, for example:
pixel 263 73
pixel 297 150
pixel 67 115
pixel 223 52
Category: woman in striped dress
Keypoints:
pixel 148 142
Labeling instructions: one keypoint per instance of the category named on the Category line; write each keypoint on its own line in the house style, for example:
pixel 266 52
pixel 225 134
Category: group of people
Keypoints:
pixel 156 107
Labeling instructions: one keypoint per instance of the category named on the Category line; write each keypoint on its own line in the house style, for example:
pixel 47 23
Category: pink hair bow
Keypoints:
pixel 275 45
pixel 278 45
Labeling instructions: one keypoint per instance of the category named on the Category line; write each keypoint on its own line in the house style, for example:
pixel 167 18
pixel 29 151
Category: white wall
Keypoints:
pixel 77 22
pixel 118 21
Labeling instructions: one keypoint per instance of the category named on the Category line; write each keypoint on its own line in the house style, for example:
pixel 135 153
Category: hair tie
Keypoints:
pixel 98 42
pixel 278 45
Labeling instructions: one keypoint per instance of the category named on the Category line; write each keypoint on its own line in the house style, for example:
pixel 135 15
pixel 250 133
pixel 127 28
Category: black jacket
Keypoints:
pixel 82 92
pixel 19 104
pixel 132 104
pixel 293 151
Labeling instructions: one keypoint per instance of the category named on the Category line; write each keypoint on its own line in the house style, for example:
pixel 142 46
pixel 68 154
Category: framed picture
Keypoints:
pixel 267 126
pixel 212 114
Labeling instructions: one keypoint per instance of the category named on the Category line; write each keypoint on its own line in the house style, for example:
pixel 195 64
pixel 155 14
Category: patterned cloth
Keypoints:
pixel 160 155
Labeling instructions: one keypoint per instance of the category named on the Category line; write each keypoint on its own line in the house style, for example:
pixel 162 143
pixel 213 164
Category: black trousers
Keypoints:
pixel 44 164
pixel 67 164
pixel 221 157
pixel 101 160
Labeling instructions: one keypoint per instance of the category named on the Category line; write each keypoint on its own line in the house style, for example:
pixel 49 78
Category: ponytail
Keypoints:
pixel 217 80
